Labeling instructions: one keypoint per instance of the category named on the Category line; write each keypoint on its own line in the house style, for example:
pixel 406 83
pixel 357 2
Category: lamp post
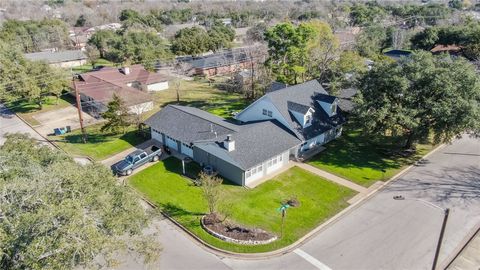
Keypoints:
pixel 446 212
pixel 283 209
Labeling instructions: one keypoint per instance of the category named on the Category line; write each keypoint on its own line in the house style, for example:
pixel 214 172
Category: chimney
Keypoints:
pixel 229 144
pixel 126 70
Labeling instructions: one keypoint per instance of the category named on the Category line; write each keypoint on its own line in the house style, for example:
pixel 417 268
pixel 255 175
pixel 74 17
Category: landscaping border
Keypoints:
pixel 281 251
pixel 232 240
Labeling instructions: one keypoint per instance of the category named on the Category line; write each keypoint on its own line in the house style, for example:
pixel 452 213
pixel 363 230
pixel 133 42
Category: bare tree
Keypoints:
pixel 210 186
pixel 256 56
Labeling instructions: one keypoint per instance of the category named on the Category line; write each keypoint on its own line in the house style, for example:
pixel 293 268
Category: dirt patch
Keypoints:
pixel 230 232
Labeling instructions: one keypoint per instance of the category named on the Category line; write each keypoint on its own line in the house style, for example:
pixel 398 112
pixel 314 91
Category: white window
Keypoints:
pixel 248 174
pixel 334 108
pixel 280 158
pixel 269 113
pixel 264 111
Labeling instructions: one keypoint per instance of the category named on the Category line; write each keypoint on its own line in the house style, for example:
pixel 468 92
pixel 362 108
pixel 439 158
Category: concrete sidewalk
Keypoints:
pixel 332 177
pixel 469 258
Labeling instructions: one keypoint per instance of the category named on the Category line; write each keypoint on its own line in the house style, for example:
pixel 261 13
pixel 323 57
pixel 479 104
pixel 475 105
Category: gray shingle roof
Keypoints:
pixel 226 58
pixel 189 124
pixel 304 94
pixel 57 57
pixel 345 99
pixel 297 107
pixel 255 143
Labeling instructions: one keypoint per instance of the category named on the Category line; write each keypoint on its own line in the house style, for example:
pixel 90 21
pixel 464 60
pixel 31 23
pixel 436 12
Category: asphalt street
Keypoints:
pixel 381 233
pixel 10 123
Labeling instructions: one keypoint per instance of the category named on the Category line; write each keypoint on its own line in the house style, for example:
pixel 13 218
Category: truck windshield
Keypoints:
pixel 129 159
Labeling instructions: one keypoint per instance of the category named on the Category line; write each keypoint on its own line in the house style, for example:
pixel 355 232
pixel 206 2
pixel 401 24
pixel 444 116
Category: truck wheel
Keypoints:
pixel 129 171
pixel 155 158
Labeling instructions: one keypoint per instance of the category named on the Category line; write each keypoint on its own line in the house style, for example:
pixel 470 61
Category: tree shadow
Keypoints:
pixel 448 184
pixel 177 211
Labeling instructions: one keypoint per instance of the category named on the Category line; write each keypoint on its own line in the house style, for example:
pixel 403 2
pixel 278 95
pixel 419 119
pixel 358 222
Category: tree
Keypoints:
pixel 366 14
pixel 220 36
pixel 57 214
pixel 33 36
pixel 190 41
pixel 117 116
pixel 425 39
pixel 421 95
pixel 210 186
pixel 287 48
pixel 322 50
pixel 28 80
pixel 93 54
pixel 372 41
pixel 256 33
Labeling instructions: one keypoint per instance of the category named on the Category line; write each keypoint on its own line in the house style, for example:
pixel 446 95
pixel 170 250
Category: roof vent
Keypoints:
pixel 229 143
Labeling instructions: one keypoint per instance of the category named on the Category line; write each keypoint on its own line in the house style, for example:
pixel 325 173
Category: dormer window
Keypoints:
pixel 308 119
pixel 334 108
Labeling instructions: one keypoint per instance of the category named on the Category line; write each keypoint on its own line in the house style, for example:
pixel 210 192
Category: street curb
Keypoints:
pixel 282 251
pixel 460 247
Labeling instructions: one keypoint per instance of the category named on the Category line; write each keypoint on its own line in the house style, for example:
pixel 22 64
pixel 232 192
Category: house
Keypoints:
pixel 63 59
pixel 397 54
pixel 306 110
pixel 129 83
pixel 226 62
pixel 282 125
pixel 450 49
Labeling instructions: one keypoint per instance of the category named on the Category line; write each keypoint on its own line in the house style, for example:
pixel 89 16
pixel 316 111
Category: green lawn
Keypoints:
pixel 88 67
pixel 361 160
pixel 27 109
pixel 320 199
pixel 201 94
pixel 99 145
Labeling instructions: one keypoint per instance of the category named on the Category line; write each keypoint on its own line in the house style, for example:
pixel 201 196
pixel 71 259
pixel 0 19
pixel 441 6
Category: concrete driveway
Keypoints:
pixel 380 233
pixel 60 118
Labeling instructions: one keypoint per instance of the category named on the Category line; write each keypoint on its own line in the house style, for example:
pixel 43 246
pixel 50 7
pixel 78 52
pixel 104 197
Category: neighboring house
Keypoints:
pixel 63 59
pixel 226 62
pixel 397 54
pixel 241 34
pixel 129 83
pixel 450 49
pixel 282 125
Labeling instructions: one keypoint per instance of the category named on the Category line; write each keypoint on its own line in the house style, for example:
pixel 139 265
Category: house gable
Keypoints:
pixel 262 109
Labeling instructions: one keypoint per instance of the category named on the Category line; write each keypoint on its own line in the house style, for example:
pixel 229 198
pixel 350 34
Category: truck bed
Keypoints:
pixel 151 149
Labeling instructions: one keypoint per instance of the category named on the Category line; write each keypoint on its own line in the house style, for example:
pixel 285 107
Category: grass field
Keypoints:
pixel 27 109
pixel 320 199
pixel 88 67
pixel 360 159
pixel 201 94
pixel 99 145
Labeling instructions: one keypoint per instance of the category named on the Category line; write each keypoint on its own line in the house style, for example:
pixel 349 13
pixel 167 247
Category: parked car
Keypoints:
pixel 136 159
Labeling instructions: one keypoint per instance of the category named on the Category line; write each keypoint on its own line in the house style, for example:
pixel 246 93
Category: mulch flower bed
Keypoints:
pixel 234 233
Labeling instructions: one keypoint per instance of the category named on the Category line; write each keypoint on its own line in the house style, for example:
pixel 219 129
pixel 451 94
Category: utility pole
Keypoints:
pixel 440 238
pixel 79 108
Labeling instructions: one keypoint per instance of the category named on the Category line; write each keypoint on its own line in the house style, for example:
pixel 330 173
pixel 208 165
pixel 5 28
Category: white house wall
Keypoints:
pixel 255 112
pixel 266 169
pixel 312 142
pixel 158 86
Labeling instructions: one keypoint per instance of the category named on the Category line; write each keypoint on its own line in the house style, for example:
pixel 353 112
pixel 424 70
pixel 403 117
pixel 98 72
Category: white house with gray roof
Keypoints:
pixel 306 109
pixel 277 127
